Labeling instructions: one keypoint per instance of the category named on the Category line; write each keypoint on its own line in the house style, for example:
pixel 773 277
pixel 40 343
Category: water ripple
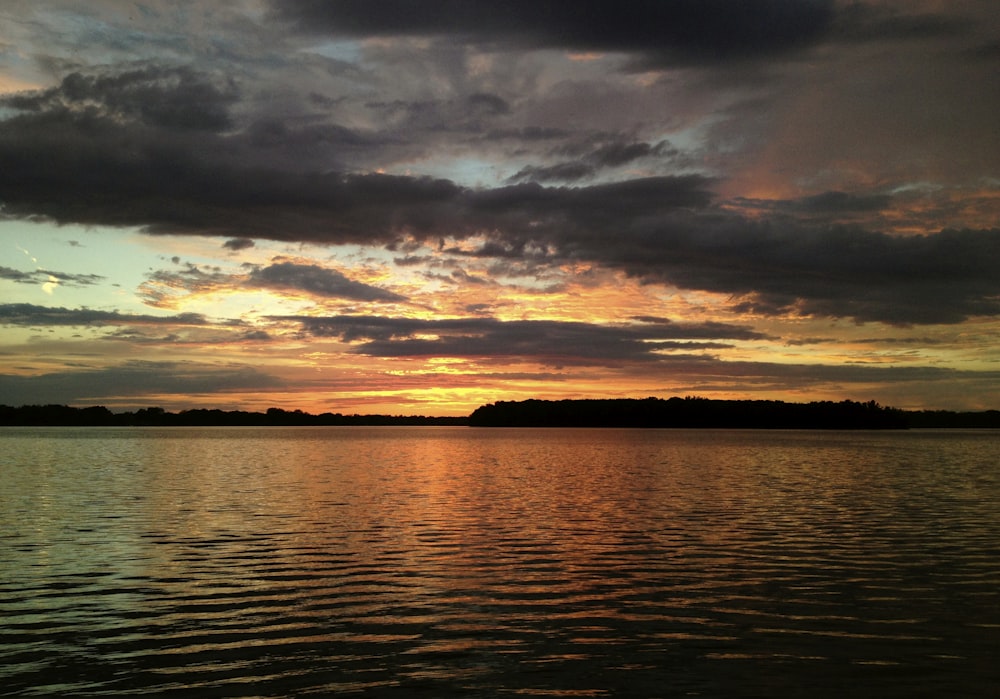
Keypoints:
pixel 438 562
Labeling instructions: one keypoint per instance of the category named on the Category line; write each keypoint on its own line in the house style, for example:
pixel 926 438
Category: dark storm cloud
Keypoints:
pixel 317 280
pixel 133 379
pixel 27 314
pixel 551 341
pixel 660 31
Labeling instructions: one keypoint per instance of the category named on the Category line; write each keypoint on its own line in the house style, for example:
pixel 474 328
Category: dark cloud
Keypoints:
pixel 44 276
pixel 782 267
pixel 552 342
pixel 91 152
pixel 527 133
pixel 412 260
pixel 858 21
pixel 286 139
pixel 837 202
pixel 71 279
pixel 317 280
pixel 238 244
pixel 627 349
pixel 27 314
pixel 711 374
pixel 598 209
pixel 86 167
pixel 493 104
pixel 165 97
pixel 661 31
pixel 287 276
pixel 610 149
pixel 988 51
pixel 460 276
pixel 163 285
pixel 98 150
pixel 15 275
pixel 132 380
pixel 560 172
pixel 465 117
pixel 829 207
pixel 621 153
pixel 606 153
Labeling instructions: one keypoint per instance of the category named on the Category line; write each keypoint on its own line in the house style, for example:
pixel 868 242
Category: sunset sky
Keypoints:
pixel 417 207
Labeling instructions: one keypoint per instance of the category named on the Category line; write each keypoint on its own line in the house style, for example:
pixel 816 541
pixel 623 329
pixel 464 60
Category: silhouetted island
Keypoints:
pixel 618 412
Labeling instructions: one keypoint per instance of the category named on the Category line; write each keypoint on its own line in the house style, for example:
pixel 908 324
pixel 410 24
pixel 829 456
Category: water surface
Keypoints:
pixel 245 562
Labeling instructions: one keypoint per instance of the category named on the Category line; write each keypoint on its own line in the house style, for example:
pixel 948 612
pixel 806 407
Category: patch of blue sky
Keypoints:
pixel 71 266
pixel 338 50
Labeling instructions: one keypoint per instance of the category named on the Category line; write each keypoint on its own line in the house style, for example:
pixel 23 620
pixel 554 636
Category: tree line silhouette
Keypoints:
pixel 99 416
pixel 703 412
pixel 618 412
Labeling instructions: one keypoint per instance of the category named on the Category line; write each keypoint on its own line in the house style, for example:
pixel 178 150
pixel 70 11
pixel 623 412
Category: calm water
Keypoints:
pixel 443 562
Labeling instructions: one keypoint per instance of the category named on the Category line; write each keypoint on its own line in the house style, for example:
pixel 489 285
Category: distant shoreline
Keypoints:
pixel 99 416
pixel 737 414
pixel 615 412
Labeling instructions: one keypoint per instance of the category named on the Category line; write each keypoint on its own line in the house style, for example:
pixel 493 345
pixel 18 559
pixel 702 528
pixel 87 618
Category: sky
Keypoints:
pixel 385 206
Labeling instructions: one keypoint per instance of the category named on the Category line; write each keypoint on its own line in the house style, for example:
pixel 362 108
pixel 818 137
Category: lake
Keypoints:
pixel 448 562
